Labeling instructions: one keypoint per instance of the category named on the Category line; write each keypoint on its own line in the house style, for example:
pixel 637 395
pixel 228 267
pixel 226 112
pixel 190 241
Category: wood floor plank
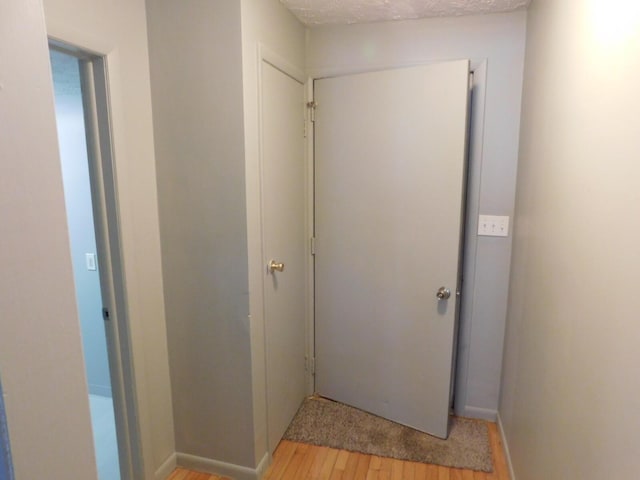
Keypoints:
pixel 383 475
pixel 307 462
pixel 350 469
pixel 297 461
pixel 363 467
pixel 409 471
pixel 282 456
pixel 456 474
pixel 443 473
pixel 179 474
pixel 501 470
pixel 299 454
pixel 373 474
pixel 183 474
pixel 385 469
pixel 341 461
pixel 328 464
pixel 420 472
pixel 336 474
pixel 316 466
pixel 432 472
pixel 396 469
pixel 375 463
pixel 467 475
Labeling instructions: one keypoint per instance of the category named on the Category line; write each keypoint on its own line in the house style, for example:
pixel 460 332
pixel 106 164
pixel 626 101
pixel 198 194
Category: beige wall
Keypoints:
pixel 118 29
pixel 265 25
pixel 40 349
pixel 196 69
pixel 571 399
pixel 41 358
pixel 204 58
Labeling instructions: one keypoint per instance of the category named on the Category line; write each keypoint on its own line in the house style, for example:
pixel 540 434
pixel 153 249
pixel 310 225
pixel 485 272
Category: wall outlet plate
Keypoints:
pixel 493 226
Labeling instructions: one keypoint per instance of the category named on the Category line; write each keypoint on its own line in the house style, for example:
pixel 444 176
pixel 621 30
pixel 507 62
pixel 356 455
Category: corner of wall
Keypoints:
pixel 215 467
pixel 167 467
pixel 505 446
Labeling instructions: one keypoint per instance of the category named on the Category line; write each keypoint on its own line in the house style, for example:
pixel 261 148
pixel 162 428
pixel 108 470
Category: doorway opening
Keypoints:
pixel 82 117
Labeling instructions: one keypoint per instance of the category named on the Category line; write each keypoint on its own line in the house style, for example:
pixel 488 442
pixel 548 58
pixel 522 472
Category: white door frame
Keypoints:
pixel 472 210
pixel 265 55
pixel 95 86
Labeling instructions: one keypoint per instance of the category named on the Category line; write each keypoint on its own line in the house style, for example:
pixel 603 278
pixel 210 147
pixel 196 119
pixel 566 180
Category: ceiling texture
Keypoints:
pixel 324 12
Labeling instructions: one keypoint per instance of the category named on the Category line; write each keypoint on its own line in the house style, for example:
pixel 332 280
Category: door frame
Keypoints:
pixel 102 177
pixel 265 55
pixel 461 350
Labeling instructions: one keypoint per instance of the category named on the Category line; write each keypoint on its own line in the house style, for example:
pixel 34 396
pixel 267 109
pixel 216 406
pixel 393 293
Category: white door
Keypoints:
pixel 283 203
pixel 390 174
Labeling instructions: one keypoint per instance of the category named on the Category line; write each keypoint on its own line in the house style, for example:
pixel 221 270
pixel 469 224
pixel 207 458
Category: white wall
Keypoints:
pixel 118 29
pixel 495 44
pixel 40 347
pixel 196 67
pixel 571 398
pixel 265 25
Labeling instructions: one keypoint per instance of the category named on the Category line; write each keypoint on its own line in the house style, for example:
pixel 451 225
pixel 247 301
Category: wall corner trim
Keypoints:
pixel 505 446
pixel 261 469
pixel 167 467
pixel 216 467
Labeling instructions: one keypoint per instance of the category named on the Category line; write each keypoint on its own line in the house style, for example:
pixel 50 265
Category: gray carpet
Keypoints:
pixel 327 423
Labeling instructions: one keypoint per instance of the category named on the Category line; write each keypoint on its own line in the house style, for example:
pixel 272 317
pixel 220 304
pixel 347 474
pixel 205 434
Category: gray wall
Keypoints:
pixel 495 43
pixel 196 70
pixel 571 396
pixel 266 24
pixel 77 194
pixel 40 347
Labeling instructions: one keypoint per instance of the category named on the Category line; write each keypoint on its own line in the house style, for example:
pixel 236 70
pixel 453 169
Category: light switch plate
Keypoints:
pixel 91 261
pixel 493 225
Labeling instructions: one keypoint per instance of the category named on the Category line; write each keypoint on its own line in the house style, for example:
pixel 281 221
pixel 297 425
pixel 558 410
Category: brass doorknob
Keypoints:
pixel 273 266
pixel 443 293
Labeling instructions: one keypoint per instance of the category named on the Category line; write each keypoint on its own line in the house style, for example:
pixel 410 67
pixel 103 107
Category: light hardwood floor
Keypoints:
pixel 297 461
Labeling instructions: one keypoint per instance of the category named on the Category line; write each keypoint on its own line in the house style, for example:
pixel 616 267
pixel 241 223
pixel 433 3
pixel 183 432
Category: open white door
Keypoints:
pixel 283 205
pixel 390 158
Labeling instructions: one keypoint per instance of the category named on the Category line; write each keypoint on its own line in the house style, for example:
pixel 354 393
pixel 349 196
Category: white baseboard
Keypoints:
pixel 505 446
pixel 261 469
pixel 216 467
pixel 481 413
pixel 167 468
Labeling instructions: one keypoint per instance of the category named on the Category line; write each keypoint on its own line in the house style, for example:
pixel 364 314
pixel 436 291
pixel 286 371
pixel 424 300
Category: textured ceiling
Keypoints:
pixel 321 12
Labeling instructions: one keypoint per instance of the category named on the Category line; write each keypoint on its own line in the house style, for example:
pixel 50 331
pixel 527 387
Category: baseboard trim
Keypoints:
pixel 505 446
pixel 481 413
pixel 216 467
pixel 261 469
pixel 167 468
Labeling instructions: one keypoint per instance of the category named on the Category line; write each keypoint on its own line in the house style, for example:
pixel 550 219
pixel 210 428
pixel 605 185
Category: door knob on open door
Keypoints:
pixel 273 266
pixel 443 293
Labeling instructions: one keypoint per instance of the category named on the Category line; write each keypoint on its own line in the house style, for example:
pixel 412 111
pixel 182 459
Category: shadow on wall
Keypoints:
pixel 6 468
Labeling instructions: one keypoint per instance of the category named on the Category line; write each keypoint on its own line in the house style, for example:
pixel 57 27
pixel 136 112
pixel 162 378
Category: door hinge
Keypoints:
pixel 310 365
pixel 312 245
pixel 312 110
pixel 106 315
